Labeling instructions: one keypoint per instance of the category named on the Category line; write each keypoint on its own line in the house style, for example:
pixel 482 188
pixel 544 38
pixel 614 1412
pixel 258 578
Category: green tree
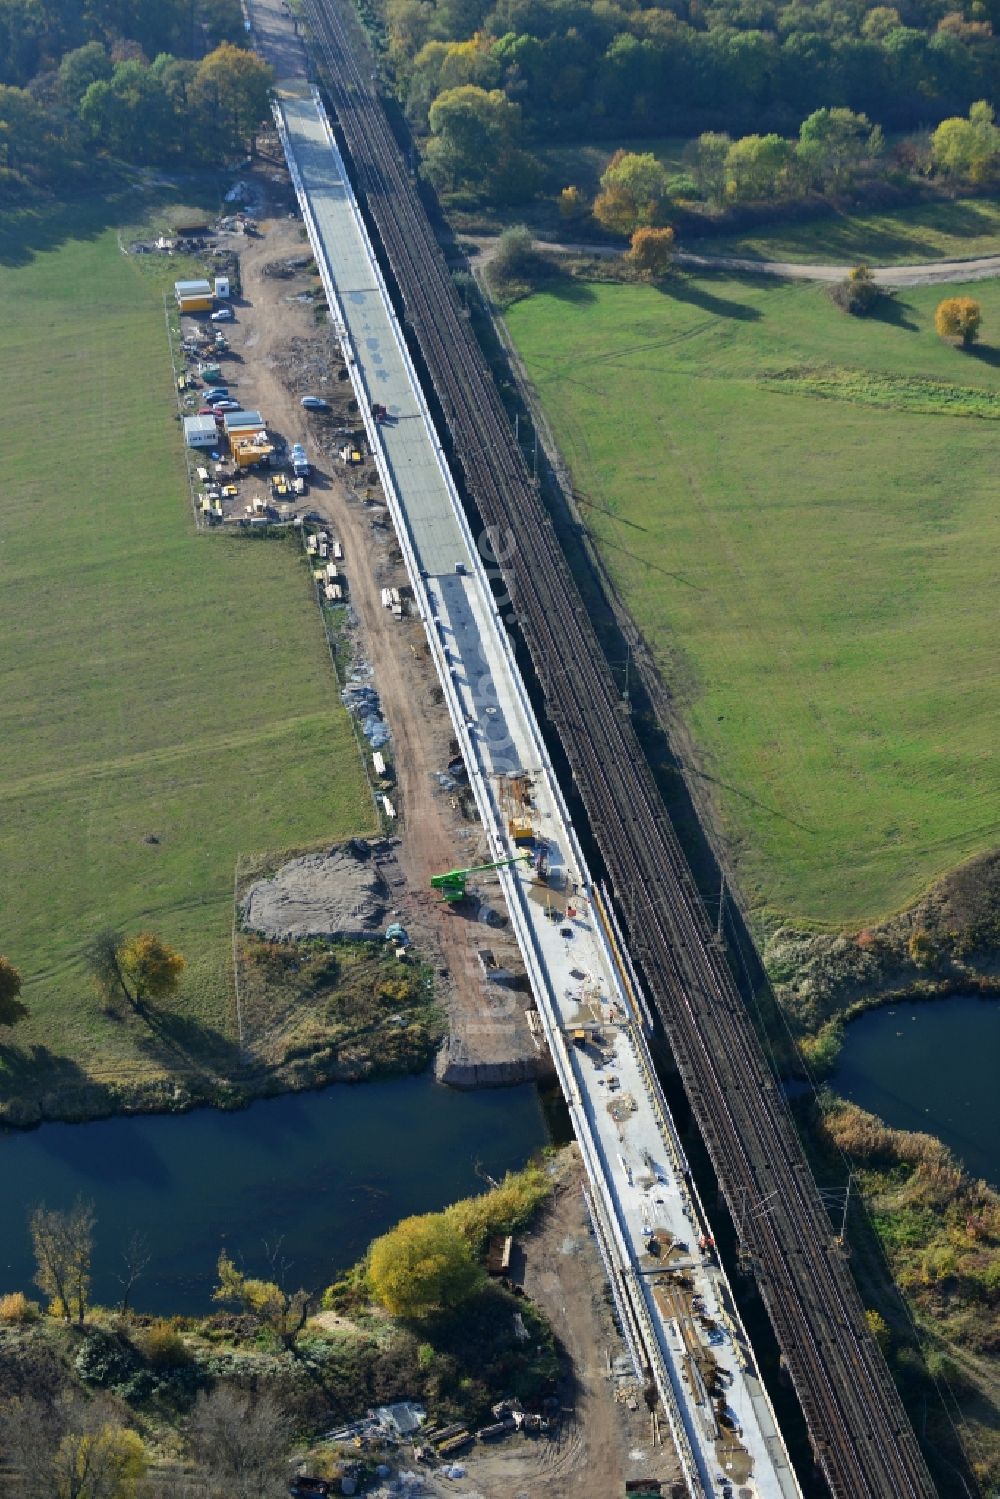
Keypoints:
pixel 129 114
pixel 957 317
pixel 284 1313
pixel 82 67
pixel 832 145
pixel 422 1266
pixel 232 88
pixel 28 143
pixel 633 192
pixel 707 159
pixel 651 252
pixel 758 166
pixel 967 148
pixel 475 143
pixel 64 1244
pixel 11 1008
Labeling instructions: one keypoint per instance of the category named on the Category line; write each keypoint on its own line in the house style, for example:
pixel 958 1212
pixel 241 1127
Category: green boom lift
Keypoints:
pixel 452 884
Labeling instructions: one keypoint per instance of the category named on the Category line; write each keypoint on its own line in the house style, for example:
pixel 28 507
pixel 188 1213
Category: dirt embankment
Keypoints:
pixel 947 943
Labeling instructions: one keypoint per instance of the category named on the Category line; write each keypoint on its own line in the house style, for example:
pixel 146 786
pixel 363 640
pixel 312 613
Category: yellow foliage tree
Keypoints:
pixel 651 252
pixel 284 1312
pixel 633 192
pixel 11 1008
pixel 109 1463
pixel 878 1327
pixel 958 317
pixel 422 1266
pixel 149 966
pixel 572 204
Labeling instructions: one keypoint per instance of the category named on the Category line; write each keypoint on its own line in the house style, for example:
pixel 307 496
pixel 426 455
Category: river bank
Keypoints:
pixel 947 943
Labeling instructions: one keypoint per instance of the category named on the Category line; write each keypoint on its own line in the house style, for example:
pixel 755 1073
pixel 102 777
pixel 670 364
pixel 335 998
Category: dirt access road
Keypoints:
pixel 603 1441
pixel 285 350
pixel 922 274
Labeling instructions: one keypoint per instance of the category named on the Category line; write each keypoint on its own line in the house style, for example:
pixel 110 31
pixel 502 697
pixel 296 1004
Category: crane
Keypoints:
pixel 452 884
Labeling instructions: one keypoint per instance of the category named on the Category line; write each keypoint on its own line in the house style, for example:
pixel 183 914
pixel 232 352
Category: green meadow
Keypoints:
pixel 166 698
pixel 802 511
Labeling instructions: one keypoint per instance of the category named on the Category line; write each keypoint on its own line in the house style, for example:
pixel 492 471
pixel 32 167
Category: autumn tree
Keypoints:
pixel 240 1443
pixel 70 1449
pixel 958 317
pixel 151 967
pixel 283 1312
pixel 11 1008
pixel 423 1265
pixel 233 87
pixel 64 1244
pixel 133 968
pixel 651 252
pixel 572 204
pixel 633 192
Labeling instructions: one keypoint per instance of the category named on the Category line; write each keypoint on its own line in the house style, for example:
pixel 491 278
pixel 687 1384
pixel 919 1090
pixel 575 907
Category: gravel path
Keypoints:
pixel 924 273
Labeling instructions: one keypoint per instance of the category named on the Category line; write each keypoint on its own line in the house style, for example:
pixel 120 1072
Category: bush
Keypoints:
pixel 15 1308
pixel 107 1359
pixel 507 1207
pixel 516 264
pixel 163 1346
pixel 858 294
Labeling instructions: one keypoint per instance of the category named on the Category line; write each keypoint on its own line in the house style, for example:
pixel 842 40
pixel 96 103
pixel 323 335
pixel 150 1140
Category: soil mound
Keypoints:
pixel 336 894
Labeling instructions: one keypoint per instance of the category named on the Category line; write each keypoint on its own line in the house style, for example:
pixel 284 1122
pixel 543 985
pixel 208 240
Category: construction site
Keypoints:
pixel 323 427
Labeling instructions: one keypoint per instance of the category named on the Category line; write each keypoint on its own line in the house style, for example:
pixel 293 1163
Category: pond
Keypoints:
pixel 323 1173
pixel 933 1066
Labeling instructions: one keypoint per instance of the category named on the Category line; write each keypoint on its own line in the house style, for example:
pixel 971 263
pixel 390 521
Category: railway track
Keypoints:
pixel 861 1438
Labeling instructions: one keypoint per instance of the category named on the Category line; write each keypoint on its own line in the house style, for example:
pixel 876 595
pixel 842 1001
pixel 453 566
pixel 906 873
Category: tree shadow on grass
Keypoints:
pixel 180 1041
pixel 893 312
pixel 697 295
pixel 28 232
pixel 34 1069
pixel 567 288
pixel 985 354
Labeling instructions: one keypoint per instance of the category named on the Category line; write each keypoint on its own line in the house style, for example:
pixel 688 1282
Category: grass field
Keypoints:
pixel 962 230
pixel 816 569
pixel 154 681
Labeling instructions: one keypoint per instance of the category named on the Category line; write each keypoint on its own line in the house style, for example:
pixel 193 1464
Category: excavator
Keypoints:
pixel 452 884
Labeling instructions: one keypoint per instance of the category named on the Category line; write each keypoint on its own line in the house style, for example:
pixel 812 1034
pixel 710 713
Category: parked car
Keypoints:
pixel 224 315
pixel 315 403
pixel 227 404
pixel 206 410
pixel 217 393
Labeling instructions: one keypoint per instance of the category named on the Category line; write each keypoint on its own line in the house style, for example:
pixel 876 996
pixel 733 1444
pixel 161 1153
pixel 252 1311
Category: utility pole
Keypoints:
pixel 847 1198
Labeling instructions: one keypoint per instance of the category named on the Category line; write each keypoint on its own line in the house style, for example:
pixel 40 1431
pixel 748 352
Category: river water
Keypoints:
pixel 324 1173
pixel 933 1066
